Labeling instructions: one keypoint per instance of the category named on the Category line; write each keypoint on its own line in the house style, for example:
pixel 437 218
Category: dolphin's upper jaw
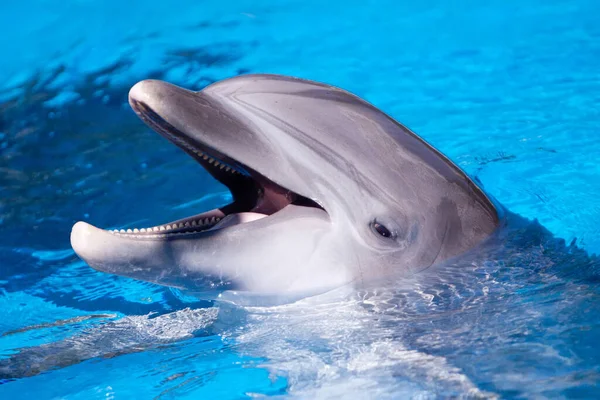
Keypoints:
pixel 251 191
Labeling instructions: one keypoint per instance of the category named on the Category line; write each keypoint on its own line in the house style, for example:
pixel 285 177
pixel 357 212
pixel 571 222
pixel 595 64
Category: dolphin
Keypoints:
pixel 327 191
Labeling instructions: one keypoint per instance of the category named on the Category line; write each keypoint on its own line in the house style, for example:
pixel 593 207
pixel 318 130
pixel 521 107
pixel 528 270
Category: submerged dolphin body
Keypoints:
pixel 327 190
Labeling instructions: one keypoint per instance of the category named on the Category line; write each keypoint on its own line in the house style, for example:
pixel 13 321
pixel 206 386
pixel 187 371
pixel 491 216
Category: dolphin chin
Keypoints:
pixel 326 190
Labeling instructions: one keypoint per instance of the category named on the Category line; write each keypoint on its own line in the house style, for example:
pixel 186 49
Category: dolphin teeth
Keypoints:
pixel 205 157
pixel 227 169
pixel 143 230
pixel 162 228
pixel 194 223
pixel 210 160
pixel 129 231
pixel 136 230
pixel 168 227
pixel 186 224
pixel 181 225
pixel 222 166
pixel 155 229
pixel 122 231
pixel 216 163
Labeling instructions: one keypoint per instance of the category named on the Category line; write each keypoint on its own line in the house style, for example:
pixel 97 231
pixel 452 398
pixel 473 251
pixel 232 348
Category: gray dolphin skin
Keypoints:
pixel 327 190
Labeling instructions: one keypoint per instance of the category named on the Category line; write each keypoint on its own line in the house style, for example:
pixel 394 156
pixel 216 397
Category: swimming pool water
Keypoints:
pixel 508 90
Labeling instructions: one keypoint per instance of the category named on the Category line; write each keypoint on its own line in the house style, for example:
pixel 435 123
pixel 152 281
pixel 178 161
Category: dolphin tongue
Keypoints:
pixel 238 218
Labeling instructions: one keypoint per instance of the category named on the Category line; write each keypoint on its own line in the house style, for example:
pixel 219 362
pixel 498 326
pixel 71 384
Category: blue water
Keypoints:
pixel 508 90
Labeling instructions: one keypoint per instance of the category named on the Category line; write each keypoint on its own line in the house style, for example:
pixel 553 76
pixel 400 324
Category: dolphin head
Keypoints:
pixel 326 188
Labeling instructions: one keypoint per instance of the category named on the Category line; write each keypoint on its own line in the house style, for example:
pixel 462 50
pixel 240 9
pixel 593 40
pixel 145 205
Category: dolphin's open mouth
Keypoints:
pixel 254 196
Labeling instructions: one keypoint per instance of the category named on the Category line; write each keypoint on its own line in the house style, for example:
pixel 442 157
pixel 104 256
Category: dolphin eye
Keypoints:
pixel 381 229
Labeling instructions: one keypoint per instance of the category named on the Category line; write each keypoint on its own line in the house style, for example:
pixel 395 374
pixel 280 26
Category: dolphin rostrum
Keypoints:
pixel 327 190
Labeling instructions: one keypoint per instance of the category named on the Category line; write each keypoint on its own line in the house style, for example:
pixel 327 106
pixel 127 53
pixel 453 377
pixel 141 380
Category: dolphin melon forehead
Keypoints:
pixel 334 133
